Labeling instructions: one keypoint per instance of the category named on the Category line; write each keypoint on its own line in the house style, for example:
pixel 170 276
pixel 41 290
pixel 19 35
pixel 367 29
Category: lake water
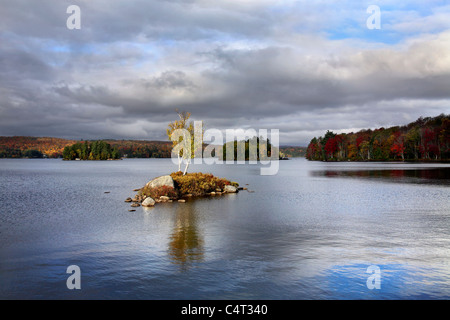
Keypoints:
pixel 309 232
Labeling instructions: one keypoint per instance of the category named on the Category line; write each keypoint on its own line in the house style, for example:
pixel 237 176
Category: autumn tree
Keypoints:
pixel 182 134
pixel 313 151
pixel 426 138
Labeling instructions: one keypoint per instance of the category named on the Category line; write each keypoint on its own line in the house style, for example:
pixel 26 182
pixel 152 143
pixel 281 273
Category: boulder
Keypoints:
pixel 148 202
pixel 128 199
pixel 164 198
pixel 161 181
pixel 230 189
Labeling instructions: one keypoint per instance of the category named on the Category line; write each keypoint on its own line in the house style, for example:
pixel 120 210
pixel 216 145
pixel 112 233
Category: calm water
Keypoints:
pixel 309 232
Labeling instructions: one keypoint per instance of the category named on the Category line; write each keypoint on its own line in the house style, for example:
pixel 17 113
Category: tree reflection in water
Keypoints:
pixel 186 243
pixel 429 176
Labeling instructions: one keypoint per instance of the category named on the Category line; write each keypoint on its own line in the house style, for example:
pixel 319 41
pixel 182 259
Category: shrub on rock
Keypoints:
pixel 157 192
pixel 197 184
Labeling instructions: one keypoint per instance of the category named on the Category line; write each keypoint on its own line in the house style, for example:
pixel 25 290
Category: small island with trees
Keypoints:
pixel 426 139
pixel 181 185
pixel 95 150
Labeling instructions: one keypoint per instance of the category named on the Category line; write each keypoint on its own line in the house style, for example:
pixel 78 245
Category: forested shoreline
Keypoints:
pixel 426 139
pixel 48 147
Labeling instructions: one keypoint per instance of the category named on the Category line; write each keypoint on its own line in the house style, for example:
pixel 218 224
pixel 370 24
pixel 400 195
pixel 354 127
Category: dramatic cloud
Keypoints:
pixel 299 66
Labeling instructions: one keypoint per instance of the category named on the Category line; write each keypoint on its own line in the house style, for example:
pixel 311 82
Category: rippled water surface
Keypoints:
pixel 309 232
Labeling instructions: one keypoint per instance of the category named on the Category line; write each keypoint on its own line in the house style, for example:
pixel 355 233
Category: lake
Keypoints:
pixel 309 232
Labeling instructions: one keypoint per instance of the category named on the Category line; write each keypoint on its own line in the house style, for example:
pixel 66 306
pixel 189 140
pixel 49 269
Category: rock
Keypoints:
pixel 137 189
pixel 230 189
pixel 189 195
pixel 244 188
pixel 107 192
pixel 164 198
pixel 218 190
pixel 161 181
pixel 169 200
pixel 213 193
pixel 148 202
pixel 218 193
pixel 240 188
pixel 131 210
pixel 181 200
pixel 128 199
pixel 135 205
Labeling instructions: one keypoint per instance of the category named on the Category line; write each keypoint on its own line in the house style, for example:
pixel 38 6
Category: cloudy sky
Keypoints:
pixel 298 66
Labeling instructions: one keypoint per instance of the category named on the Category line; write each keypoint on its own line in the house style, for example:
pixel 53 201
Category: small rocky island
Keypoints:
pixel 179 187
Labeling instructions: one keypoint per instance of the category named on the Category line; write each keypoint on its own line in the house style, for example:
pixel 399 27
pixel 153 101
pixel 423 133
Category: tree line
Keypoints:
pixel 425 139
pixel 46 147
pixel 17 153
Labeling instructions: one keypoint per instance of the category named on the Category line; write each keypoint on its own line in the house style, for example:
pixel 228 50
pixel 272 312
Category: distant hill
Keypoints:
pixel 293 152
pixel 142 148
pixel 38 147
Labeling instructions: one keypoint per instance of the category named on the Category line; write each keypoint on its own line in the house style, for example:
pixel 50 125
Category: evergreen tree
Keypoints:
pixel 97 150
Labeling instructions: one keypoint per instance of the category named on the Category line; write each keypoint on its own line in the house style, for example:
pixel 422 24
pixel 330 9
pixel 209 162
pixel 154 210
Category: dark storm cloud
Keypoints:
pixel 170 79
pixel 108 21
pixel 230 63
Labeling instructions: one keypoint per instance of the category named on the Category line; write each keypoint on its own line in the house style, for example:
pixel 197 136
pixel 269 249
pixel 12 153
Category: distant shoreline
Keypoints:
pixel 347 161
pixel 50 147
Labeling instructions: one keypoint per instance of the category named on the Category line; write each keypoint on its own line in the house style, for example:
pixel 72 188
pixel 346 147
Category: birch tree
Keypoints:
pixel 181 133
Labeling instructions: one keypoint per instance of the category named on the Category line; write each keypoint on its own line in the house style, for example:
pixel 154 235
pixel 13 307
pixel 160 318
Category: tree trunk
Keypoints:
pixel 187 166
